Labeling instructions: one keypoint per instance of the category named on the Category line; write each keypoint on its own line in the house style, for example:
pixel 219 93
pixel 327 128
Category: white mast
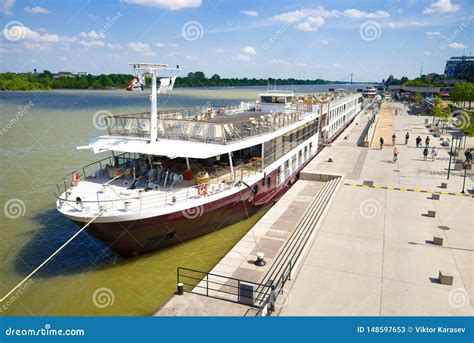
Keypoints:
pixel 153 70
pixel 153 110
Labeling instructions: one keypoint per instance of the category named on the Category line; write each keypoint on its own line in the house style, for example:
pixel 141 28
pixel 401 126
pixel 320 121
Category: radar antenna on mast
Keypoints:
pixel 167 77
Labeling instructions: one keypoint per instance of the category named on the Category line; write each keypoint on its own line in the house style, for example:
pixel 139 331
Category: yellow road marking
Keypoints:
pixel 416 190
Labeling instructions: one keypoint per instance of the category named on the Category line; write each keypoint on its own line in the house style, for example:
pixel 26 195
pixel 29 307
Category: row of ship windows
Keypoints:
pixel 341 109
pixel 279 146
pixel 293 163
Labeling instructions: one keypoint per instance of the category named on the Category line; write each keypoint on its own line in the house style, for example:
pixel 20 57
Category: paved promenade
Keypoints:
pixel 373 254
pixel 384 126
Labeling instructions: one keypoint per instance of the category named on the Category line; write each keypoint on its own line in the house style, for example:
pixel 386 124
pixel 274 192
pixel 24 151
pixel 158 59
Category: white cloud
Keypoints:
pixel 295 16
pixel 311 24
pixel 92 43
pixel 220 51
pixel 168 4
pixel 353 13
pixel 337 65
pixel 433 33
pixel 301 64
pixel 114 46
pixel 279 61
pixel 442 6
pixel 249 50
pixel 299 15
pixel 28 34
pixel 92 34
pixel 250 13
pixel 242 57
pixel 6 7
pixel 404 24
pixel 324 41
pixel 427 52
pixel 36 46
pixel 36 10
pixel 455 45
pixel 140 47
pixel 169 45
pixel 191 58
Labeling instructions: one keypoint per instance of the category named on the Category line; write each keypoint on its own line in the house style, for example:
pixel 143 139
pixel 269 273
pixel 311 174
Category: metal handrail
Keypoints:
pixel 205 278
pixel 177 195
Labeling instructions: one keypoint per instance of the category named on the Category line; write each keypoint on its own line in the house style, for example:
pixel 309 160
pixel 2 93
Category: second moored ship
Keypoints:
pixel 178 174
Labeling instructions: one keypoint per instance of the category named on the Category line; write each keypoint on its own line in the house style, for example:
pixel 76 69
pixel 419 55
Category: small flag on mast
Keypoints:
pixel 137 83
pixel 166 84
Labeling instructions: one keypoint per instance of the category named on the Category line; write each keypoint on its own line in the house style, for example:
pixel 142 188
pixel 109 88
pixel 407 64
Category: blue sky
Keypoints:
pixel 272 38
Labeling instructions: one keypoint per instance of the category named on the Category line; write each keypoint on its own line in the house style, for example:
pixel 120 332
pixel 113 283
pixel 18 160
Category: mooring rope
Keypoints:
pixel 50 257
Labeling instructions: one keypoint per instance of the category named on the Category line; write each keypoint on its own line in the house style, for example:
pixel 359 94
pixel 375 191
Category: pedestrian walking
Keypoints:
pixel 381 142
pixel 418 141
pixel 425 153
pixel 394 137
pixel 407 137
pixel 434 153
pixel 396 111
pixel 427 141
pixel 395 154
pixel 468 154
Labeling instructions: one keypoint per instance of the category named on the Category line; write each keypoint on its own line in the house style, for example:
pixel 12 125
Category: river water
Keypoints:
pixel 38 135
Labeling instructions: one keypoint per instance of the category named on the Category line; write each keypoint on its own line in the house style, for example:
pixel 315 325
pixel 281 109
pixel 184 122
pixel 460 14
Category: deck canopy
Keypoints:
pixel 169 148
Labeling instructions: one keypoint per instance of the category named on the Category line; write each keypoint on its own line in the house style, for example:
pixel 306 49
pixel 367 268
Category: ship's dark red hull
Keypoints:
pixel 130 238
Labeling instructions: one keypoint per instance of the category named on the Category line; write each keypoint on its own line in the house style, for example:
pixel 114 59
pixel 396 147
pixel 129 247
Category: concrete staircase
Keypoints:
pixel 287 260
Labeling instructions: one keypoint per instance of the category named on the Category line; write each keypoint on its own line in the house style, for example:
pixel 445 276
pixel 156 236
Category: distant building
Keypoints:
pixel 81 73
pixel 460 68
pixel 63 74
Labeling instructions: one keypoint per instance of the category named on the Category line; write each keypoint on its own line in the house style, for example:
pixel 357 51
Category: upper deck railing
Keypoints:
pixel 212 126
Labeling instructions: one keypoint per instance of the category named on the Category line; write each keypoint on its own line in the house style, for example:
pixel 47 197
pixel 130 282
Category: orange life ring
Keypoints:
pixel 202 189
pixel 76 178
